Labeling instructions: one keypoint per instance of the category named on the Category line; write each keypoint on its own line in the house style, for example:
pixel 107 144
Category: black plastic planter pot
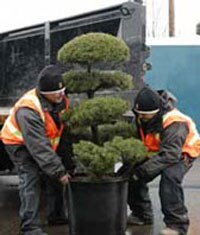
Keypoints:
pixel 97 208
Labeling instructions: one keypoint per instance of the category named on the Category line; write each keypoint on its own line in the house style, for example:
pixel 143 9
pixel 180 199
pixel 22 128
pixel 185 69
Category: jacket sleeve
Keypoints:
pixel 172 140
pixel 39 146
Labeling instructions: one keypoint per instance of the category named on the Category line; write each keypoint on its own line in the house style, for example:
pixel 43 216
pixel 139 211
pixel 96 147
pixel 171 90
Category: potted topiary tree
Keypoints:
pixel 102 138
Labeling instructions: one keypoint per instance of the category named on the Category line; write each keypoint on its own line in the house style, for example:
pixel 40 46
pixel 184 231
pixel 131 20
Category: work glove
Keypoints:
pixel 141 174
pixel 64 180
pixel 127 170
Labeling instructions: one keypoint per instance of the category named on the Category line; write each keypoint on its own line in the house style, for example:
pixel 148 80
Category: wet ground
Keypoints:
pixel 9 204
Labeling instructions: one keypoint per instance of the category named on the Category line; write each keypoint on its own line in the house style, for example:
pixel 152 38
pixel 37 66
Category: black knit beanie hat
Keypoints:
pixel 147 102
pixel 50 80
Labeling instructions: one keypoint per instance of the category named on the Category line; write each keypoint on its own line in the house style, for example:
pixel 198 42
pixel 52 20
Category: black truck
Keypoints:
pixel 24 52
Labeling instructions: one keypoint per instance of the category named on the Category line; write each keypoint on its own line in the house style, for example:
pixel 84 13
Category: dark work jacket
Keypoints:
pixel 172 139
pixel 33 131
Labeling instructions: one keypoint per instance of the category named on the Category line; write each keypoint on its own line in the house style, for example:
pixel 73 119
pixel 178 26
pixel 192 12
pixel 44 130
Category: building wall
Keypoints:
pixel 177 69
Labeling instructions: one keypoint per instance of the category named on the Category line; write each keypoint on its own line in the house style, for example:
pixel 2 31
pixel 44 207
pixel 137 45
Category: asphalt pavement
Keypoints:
pixel 9 204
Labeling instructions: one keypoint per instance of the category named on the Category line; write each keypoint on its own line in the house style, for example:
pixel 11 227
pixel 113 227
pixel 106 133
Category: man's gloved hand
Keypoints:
pixel 65 179
pixel 140 174
pixel 128 169
pixel 124 170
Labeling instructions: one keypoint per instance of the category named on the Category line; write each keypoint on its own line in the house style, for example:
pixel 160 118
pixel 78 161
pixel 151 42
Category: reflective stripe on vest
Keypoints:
pixel 11 133
pixel 192 143
pixel 54 142
pixel 51 130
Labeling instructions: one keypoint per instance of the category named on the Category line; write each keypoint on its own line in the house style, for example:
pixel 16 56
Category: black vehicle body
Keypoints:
pixel 24 52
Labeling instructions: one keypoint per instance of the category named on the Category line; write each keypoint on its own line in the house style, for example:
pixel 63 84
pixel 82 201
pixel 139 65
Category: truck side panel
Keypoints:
pixel 24 52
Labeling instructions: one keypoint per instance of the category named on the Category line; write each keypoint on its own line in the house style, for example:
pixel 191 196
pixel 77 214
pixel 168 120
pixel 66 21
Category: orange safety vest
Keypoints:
pixel 11 133
pixel 191 146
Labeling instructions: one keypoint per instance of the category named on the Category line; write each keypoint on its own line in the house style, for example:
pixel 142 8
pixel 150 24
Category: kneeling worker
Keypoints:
pixel 174 138
pixel 31 135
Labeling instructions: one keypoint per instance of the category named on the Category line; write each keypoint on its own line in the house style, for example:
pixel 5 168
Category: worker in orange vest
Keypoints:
pixel 174 139
pixel 31 135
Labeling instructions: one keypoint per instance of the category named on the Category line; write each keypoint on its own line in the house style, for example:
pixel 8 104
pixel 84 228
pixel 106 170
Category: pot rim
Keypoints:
pixel 89 179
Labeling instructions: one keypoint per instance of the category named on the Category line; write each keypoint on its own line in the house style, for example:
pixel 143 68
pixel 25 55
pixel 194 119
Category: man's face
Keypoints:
pixel 55 98
pixel 146 117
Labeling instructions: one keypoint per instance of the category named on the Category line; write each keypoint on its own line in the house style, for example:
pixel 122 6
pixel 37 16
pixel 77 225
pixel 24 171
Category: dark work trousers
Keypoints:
pixel 31 181
pixel 55 200
pixel 139 201
pixel 29 189
pixel 171 196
